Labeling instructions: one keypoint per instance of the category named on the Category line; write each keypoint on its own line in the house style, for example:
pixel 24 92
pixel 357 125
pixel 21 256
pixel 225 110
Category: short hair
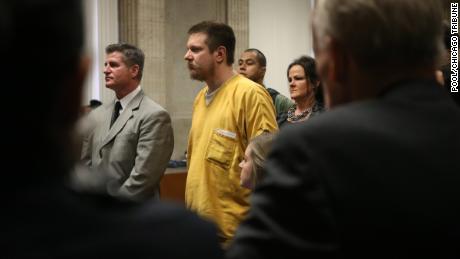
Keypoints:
pixel 261 146
pixel 219 34
pixel 259 55
pixel 309 67
pixel 48 35
pixel 382 33
pixel 93 103
pixel 132 55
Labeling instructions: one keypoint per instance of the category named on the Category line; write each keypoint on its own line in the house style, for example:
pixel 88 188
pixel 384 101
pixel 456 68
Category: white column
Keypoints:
pixel 101 23
pixel 238 19
pixel 142 23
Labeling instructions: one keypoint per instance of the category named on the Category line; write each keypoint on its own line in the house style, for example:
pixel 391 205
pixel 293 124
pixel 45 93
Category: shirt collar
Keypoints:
pixel 125 100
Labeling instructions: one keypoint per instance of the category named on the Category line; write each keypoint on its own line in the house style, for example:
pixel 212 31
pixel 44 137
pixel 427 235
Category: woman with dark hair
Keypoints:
pixel 305 90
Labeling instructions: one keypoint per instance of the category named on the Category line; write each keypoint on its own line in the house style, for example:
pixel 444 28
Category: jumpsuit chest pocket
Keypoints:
pixel 221 148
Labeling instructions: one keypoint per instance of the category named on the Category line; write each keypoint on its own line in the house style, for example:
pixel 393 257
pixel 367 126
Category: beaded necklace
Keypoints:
pixel 303 116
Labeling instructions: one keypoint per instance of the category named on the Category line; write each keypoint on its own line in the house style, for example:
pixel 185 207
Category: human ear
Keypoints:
pixel 338 58
pixel 220 54
pixel 134 70
pixel 333 67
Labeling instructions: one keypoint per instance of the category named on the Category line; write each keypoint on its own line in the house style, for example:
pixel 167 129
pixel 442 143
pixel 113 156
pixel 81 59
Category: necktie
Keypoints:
pixel 116 112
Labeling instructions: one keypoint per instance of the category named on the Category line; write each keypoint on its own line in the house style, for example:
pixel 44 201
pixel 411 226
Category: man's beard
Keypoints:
pixel 200 74
pixel 197 76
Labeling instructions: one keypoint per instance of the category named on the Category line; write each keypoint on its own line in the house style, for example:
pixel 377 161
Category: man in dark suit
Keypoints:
pixel 43 67
pixel 377 176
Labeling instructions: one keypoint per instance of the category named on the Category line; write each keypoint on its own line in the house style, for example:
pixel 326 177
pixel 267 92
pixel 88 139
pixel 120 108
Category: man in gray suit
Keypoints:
pixel 132 135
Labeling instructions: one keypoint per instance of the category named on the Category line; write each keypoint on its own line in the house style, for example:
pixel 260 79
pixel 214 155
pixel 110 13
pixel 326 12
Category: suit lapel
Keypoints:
pixel 107 114
pixel 119 124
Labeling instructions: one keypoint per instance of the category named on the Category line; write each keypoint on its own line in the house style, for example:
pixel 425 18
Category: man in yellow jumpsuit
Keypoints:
pixel 227 113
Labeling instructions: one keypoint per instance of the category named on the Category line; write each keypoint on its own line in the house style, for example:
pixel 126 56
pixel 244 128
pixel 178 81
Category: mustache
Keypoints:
pixel 191 66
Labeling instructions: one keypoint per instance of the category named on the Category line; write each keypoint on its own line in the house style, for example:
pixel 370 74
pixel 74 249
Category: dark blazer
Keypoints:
pixel 372 179
pixel 48 220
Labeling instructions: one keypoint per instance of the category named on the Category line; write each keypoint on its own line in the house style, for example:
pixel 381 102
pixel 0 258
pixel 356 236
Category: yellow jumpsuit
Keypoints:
pixel 220 133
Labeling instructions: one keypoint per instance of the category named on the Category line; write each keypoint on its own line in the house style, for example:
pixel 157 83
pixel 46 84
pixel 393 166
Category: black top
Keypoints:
pixel 372 179
pixel 52 221
pixel 317 109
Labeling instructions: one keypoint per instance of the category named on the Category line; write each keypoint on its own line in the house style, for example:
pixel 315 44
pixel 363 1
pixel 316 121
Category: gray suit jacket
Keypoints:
pixel 135 151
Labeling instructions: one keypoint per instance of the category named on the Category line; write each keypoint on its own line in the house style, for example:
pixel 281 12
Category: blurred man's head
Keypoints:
pixel 43 43
pixel 42 83
pixel 252 64
pixel 360 41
